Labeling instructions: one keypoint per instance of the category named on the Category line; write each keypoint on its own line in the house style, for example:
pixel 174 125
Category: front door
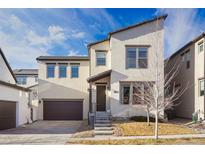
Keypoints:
pixel 101 98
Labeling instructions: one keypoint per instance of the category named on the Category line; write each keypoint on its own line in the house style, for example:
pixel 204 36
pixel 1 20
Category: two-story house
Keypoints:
pixel 117 64
pixel 71 87
pixel 189 62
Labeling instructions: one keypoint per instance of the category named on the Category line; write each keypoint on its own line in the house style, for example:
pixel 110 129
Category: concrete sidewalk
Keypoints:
pixel 141 137
pixel 36 139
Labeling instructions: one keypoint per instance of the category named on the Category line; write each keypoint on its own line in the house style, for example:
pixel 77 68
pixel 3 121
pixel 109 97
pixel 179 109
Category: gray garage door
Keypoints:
pixel 63 110
pixel 7 115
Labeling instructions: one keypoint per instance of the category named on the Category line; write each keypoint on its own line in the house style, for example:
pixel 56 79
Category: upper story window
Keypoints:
pixel 100 58
pixel 136 57
pixel 74 70
pixel 22 80
pixel 201 87
pixel 62 71
pixel 201 47
pixel 50 70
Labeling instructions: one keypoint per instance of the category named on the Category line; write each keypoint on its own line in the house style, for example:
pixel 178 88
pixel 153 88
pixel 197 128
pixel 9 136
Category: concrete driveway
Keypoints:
pixel 41 132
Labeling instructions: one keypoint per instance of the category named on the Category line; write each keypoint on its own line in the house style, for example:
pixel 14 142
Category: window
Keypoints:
pixel 131 58
pixel 201 47
pixel 186 57
pixel 142 58
pixel 125 94
pixel 135 92
pixel 21 80
pixel 137 57
pixel 100 58
pixel 201 87
pixel 74 71
pixel 36 78
pixel 62 71
pixel 50 70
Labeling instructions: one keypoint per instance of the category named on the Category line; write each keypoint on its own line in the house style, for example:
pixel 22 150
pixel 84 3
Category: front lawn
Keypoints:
pixel 141 142
pixel 84 131
pixel 132 128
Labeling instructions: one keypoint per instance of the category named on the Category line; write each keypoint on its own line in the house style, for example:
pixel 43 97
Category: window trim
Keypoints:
pixel 47 64
pixel 74 64
pixel 59 65
pixel 137 55
pixel 101 51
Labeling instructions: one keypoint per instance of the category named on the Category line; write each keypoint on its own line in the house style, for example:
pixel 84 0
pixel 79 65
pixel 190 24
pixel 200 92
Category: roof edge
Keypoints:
pixel 186 45
pixel 97 42
pixel 7 64
pixel 14 86
pixel 52 58
pixel 139 24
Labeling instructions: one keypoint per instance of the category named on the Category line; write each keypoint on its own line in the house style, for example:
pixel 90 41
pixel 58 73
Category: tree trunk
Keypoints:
pixel 148 121
pixel 156 125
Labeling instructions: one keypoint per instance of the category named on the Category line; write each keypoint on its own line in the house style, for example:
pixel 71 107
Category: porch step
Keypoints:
pixel 105 132
pixel 102 124
pixel 102 114
pixel 102 118
pixel 102 121
pixel 103 128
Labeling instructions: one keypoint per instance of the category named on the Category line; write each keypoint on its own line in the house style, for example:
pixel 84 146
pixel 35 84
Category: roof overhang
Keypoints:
pixel 163 17
pixel 99 76
pixel 14 86
pixel 7 64
pixel 63 58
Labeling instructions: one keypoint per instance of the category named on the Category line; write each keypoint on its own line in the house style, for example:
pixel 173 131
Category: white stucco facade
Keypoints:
pixel 150 35
pixel 11 92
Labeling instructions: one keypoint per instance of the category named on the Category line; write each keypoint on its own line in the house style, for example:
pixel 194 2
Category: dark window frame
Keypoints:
pixel 59 71
pixel 137 57
pixel 105 58
pixel 122 86
pixel 47 70
pixel 72 75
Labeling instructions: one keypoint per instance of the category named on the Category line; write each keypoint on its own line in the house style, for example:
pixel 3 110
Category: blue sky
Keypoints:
pixel 28 33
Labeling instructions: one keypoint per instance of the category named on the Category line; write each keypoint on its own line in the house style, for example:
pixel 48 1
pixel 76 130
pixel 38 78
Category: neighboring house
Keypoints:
pixel 14 100
pixel 63 89
pixel 190 59
pixel 29 78
pixel 26 77
pixel 70 87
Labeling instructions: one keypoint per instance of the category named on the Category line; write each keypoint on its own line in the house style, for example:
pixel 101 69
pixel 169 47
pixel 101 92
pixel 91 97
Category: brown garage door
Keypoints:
pixel 63 110
pixel 7 115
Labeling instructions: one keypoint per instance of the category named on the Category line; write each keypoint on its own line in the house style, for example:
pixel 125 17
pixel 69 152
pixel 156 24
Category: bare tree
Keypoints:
pixel 162 92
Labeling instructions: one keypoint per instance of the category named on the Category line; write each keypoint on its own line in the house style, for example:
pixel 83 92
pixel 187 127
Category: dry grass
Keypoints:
pixel 142 129
pixel 84 131
pixel 142 142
